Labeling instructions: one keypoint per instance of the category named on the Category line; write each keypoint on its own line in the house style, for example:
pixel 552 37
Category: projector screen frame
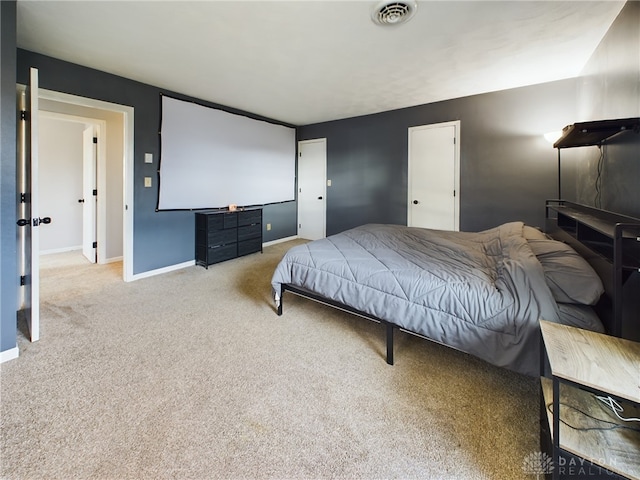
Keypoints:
pixel 230 111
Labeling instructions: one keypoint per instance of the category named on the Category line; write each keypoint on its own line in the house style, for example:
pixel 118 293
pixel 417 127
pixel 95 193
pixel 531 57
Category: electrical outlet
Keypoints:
pixel 148 158
pixel 268 226
pixel 147 181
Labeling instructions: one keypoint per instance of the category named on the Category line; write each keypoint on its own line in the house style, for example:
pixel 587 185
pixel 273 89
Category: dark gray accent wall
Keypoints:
pixel 8 205
pixel 507 169
pixel 609 88
pixel 163 238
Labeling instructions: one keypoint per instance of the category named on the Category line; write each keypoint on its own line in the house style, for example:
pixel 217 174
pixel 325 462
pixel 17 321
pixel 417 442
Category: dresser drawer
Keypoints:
pixel 249 246
pixel 220 254
pixel 230 219
pixel 249 231
pixel 249 217
pixel 216 221
pixel 222 237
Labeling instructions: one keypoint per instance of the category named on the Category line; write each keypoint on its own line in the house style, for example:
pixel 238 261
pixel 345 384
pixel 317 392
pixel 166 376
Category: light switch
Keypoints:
pixel 328 183
pixel 147 181
pixel 148 158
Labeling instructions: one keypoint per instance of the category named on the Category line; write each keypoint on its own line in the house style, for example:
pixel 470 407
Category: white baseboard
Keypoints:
pixel 10 354
pixel 160 271
pixel 280 240
pixel 112 260
pixel 60 250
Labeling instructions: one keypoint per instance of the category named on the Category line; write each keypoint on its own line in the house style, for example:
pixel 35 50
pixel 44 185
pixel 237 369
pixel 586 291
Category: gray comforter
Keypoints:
pixel 482 293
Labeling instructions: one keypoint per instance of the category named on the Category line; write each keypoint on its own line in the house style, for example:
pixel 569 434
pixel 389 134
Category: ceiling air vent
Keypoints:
pixel 393 12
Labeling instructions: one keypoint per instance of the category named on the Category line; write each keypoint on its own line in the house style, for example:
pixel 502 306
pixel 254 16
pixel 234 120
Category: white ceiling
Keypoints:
pixel 304 62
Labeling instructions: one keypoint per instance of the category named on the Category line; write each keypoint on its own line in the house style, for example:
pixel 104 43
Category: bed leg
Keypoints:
pixel 279 303
pixel 390 329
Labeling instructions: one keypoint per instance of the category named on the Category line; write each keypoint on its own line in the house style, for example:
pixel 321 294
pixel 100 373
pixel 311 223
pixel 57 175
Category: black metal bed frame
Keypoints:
pixel 390 327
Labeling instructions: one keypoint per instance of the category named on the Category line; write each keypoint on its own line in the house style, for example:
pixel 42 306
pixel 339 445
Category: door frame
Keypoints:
pixel 90 142
pixel 301 143
pixel 101 168
pixel 127 174
pixel 456 168
pixel 27 237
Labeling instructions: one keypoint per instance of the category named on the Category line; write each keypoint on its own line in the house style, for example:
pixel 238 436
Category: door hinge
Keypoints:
pixel 25 197
pixel 95 192
pixel 23 280
pixel 454 193
pixel 24 115
pixel 95 244
pixel 95 139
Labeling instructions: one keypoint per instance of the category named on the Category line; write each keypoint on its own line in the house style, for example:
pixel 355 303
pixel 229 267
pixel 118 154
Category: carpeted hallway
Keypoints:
pixel 192 375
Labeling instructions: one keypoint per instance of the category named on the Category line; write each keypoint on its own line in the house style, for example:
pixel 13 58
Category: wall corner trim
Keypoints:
pixel 9 354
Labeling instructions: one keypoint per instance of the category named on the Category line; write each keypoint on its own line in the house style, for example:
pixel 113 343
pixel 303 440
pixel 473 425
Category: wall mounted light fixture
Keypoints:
pixel 551 137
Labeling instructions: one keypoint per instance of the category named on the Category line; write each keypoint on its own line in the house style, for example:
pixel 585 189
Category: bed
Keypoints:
pixel 479 292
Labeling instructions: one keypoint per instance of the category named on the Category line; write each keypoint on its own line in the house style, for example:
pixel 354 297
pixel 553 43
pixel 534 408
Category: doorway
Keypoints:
pixel 434 176
pixel 30 100
pixel 72 151
pixel 114 172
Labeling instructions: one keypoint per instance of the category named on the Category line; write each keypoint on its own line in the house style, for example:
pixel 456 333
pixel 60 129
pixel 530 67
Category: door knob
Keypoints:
pixel 38 221
pixel 319 198
pixel 81 200
pixel 415 202
pixel 23 222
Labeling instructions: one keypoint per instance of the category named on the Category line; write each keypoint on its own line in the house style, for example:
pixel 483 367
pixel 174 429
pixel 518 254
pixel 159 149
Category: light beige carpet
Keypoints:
pixel 192 375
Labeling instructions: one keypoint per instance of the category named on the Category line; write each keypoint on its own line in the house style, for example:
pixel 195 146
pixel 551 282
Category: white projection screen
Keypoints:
pixel 210 158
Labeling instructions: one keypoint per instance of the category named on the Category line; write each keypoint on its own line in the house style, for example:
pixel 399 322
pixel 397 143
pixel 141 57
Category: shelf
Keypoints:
pixel 615 450
pixel 596 360
pixel 584 134
pixel 596 229
pixel 585 364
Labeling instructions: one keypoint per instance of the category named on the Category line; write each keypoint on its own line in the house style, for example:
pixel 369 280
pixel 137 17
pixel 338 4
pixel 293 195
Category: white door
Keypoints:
pixel 89 197
pixel 434 183
pixel 312 188
pixel 28 214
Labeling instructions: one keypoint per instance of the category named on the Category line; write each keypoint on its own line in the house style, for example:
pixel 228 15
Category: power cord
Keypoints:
pixel 598 183
pixel 613 425
pixel 616 408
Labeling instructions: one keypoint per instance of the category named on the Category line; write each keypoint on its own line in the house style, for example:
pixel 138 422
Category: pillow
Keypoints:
pixel 533 233
pixel 581 316
pixel 569 277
